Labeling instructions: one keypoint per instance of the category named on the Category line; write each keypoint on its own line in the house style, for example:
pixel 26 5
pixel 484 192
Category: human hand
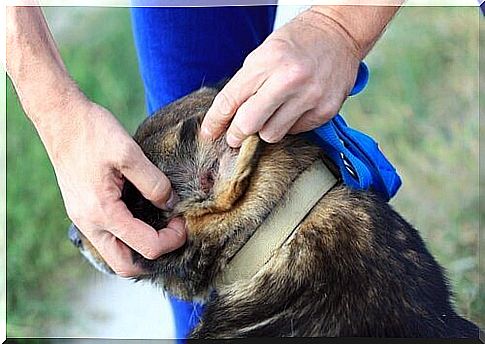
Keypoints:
pixel 91 152
pixel 92 155
pixel 295 81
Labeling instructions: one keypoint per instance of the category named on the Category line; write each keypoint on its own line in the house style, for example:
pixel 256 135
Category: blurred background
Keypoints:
pixel 421 105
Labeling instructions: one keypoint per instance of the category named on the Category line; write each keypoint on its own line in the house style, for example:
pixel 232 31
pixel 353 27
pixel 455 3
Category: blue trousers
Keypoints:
pixel 181 49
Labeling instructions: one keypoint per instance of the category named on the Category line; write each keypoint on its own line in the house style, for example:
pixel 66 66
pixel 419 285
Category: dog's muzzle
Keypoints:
pixel 74 237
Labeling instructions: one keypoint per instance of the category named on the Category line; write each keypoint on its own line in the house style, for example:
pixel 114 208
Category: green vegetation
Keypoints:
pixel 421 106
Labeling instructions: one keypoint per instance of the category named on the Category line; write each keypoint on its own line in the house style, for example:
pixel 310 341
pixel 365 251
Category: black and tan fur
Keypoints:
pixel 355 267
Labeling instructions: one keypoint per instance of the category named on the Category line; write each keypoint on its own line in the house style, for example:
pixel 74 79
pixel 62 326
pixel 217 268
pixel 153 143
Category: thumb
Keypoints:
pixel 149 180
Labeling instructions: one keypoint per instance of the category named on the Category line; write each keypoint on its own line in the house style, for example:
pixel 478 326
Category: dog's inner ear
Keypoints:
pixel 236 172
pixel 226 178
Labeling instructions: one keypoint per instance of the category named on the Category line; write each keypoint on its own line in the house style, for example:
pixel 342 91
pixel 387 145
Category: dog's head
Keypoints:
pixel 224 193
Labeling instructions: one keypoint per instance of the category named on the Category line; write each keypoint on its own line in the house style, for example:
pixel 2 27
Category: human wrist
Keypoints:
pixel 359 26
pixel 35 67
pixel 331 28
pixel 44 102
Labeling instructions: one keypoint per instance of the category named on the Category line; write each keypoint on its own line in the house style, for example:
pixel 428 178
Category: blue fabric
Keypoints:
pixel 186 315
pixel 181 49
pixel 361 163
pixel 361 79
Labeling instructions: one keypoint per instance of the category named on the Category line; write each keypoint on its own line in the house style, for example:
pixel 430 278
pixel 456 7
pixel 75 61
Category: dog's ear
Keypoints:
pixel 232 177
pixel 228 191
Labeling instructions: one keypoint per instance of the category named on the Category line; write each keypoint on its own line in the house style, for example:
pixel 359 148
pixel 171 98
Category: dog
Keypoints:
pixel 353 267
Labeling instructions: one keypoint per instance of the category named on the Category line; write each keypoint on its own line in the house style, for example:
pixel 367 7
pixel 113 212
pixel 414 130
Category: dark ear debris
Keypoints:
pixel 206 181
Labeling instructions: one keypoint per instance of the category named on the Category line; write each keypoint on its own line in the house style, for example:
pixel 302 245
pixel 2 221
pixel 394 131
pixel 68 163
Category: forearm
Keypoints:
pixel 49 97
pixel 360 25
pixel 35 66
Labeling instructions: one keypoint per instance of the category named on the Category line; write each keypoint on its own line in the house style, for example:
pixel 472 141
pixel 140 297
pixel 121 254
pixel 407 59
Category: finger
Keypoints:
pixel 310 120
pixel 253 113
pixel 320 115
pixel 241 86
pixel 284 118
pixel 143 238
pixel 149 180
pixel 116 254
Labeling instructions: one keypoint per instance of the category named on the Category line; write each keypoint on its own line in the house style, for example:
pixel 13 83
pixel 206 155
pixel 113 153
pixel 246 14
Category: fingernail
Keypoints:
pixel 173 199
pixel 232 141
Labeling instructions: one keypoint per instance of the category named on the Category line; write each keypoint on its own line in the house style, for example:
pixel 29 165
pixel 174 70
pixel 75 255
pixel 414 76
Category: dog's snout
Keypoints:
pixel 73 235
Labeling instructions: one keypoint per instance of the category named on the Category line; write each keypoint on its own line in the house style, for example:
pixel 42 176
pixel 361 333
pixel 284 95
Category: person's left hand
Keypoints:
pixel 295 81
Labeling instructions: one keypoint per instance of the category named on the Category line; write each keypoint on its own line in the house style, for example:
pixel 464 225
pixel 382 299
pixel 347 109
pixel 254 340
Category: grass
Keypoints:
pixel 421 105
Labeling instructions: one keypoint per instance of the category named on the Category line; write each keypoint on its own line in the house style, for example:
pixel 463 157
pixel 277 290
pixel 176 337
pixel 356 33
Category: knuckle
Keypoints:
pixel 315 119
pixel 328 110
pixel 88 212
pixel 123 268
pixel 308 122
pixel 252 58
pixel 127 153
pixel 104 209
pixel 278 46
pixel 314 93
pixel 244 131
pixel 212 124
pixel 150 253
pixel 246 128
pixel 160 191
pixel 239 132
pixel 225 103
pixel 297 74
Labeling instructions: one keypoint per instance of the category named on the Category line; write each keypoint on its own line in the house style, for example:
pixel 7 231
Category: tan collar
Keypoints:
pixel 283 221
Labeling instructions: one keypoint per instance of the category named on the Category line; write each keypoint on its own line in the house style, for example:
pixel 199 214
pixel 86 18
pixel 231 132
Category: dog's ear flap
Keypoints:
pixel 235 173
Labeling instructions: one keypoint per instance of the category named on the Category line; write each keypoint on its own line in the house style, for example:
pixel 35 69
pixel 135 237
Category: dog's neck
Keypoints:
pixel 217 236
pixel 279 226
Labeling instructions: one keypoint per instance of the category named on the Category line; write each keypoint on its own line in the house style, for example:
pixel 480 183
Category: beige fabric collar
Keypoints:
pixel 283 221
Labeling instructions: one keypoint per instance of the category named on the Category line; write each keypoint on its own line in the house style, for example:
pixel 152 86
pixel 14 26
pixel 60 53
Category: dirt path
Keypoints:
pixel 112 307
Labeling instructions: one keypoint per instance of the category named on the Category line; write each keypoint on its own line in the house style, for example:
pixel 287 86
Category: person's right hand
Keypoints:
pixel 92 154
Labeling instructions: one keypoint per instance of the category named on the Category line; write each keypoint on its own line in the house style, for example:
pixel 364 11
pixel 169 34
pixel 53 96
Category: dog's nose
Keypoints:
pixel 73 235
